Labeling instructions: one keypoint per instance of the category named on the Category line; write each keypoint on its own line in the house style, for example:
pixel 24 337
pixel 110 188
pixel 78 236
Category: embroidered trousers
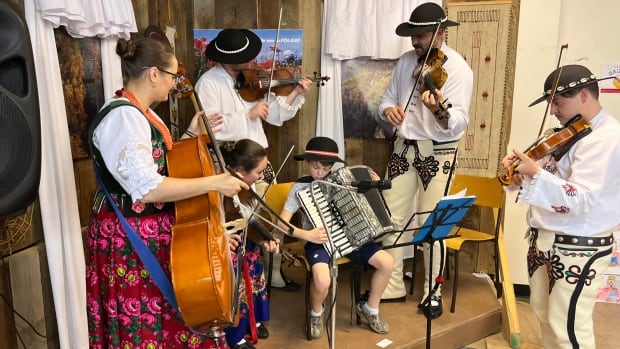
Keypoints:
pixel 418 170
pixel 564 281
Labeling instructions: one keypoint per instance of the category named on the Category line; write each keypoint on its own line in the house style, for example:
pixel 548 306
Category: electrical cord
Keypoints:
pixel 19 315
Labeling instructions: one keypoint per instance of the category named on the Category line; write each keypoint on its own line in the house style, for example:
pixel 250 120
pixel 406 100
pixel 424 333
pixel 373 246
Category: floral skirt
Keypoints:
pixel 125 308
pixel 260 301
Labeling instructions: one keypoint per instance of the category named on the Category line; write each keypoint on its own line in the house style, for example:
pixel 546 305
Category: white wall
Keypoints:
pixel 589 29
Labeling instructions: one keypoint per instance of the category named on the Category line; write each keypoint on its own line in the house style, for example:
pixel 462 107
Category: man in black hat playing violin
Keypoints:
pixel 572 195
pixel 235 51
pixel 429 121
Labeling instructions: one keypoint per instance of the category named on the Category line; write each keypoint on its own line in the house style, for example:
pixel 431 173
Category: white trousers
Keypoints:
pixel 421 171
pixel 564 281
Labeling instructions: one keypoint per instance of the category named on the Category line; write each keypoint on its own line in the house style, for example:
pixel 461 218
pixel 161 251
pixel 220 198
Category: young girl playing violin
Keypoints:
pixel 249 160
pixel 572 198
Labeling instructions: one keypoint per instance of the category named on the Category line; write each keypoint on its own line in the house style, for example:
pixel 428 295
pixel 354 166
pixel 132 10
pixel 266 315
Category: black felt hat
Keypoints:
pixel 424 19
pixel 571 77
pixel 320 149
pixel 234 46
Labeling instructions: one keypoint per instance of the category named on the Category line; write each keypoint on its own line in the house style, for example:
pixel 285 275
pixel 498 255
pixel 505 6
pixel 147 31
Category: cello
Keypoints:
pixel 200 261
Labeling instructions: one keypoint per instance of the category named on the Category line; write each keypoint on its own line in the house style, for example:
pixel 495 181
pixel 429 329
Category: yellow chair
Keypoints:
pixel 489 193
pixel 275 198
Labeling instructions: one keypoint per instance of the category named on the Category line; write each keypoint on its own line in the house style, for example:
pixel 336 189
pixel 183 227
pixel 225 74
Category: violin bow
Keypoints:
pixel 261 202
pixel 556 79
pixel 273 58
pixel 279 170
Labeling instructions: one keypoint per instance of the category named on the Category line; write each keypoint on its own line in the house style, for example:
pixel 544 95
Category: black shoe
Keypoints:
pixel 244 345
pixel 436 308
pixel 290 286
pixel 364 296
pixel 394 300
pixel 262 331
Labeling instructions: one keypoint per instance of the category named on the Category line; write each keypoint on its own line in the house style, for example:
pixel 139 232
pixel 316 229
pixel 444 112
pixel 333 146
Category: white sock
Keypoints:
pixel 314 313
pixel 241 341
pixel 371 311
pixel 258 324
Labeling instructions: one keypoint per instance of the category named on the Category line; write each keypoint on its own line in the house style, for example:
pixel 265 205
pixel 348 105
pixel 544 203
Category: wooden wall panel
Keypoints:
pixel 32 298
pixel 8 336
pixel 204 14
pixel 85 185
pixel 235 14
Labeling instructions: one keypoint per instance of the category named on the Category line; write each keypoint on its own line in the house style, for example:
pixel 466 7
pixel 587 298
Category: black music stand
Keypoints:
pixel 448 212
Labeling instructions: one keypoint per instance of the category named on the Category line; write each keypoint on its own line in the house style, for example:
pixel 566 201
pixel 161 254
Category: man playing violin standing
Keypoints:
pixel 572 195
pixel 428 130
pixel 235 50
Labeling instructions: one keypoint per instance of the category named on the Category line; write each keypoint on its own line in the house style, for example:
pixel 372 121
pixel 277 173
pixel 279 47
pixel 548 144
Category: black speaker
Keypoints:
pixel 20 130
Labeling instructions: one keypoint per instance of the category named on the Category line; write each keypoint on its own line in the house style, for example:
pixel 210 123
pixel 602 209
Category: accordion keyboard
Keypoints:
pixel 350 219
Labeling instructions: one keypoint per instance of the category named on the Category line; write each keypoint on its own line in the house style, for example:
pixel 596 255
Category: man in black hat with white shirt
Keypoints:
pixel 429 120
pixel 235 50
pixel 572 193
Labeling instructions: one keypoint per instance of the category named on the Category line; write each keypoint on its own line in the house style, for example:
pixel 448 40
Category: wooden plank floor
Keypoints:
pixel 606 324
pixel 477 316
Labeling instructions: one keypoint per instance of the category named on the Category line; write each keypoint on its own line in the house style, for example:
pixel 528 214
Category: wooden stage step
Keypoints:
pixel 478 315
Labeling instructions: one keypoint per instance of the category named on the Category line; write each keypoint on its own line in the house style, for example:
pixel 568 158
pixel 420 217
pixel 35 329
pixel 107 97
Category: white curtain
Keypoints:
pixel 90 18
pixel 57 192
pixel 351 29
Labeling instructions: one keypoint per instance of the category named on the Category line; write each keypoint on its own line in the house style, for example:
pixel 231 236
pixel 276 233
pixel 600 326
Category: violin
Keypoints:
pixel 236 220
pixel 557 143
pixel 433 77
pixel 252 85
pixel 256 223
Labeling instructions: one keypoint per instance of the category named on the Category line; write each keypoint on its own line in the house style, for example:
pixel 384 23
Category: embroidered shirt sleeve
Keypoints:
pixel 136 168
pixel 280 111
pixel 572 185
pixel 124 139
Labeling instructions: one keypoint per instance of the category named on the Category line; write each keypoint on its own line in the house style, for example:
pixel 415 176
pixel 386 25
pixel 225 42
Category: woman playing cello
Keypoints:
pixel 129 143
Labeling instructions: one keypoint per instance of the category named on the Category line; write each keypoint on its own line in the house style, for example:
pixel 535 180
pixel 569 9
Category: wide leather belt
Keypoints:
pixel 413 142
pixel 580 240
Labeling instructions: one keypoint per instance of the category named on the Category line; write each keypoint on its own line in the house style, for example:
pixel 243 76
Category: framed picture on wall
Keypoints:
pixel 363 82
pixel 82 85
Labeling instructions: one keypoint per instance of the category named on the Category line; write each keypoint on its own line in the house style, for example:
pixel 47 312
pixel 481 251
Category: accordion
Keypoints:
pixel 351 219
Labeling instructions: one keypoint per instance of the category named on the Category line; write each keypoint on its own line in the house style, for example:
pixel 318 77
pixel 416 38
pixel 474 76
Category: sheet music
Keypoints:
pixel 449 211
